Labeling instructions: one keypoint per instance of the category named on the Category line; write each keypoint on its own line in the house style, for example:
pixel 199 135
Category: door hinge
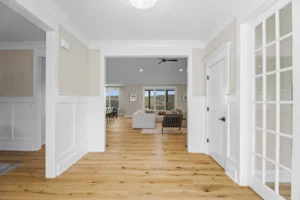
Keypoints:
pixel 207 77
pixel 207 109
pixel 207 140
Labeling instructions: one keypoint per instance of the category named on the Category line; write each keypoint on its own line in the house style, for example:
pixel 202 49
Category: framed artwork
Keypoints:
pixel 184 97
pixel 133 98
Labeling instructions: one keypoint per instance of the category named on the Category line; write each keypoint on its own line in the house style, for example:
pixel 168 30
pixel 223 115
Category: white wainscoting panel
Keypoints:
pixel 18 124
pixel 197 124
pixel 232 137
pixel 71 130
pixel 96 127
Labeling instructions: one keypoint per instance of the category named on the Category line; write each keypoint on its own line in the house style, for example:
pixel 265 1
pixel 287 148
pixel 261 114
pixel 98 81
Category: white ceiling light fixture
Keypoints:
pixel 143 4
pixel 141 70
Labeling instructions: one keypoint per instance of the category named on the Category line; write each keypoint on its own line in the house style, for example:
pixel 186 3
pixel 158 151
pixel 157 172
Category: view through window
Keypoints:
pixel 160 99
pixel 112 97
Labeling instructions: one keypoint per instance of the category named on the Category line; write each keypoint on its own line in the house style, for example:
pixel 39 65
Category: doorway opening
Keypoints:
pixel 24 39
pixel 143 91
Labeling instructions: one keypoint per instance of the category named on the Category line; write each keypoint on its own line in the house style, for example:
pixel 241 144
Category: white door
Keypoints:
pixel 216 114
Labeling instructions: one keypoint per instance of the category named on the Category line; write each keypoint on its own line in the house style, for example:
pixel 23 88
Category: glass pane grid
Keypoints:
pixel 274 72
pixel 273 100
pixel 274 132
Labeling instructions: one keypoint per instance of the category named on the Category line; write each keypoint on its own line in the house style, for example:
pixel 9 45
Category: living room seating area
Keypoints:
pixel 148 119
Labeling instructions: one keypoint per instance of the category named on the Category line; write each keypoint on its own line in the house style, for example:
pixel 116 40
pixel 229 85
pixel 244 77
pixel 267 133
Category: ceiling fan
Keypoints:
pixel 163 60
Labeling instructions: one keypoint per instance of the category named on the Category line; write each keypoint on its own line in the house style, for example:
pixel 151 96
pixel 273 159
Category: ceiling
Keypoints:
pixel 15 28
pixel 127 71
pixel 167 20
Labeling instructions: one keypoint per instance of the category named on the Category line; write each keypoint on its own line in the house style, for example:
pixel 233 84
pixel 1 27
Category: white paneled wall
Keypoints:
pixel 18 127
pixel 71 130
pixel 95 125
pixel 232 136
pixel 197 124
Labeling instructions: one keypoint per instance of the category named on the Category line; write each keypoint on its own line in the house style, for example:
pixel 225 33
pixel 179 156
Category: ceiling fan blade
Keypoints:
pixel 161 62
pixel 173 60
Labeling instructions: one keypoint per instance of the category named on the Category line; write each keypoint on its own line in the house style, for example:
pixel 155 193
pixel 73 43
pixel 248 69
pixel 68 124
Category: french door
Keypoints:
pixel 273 88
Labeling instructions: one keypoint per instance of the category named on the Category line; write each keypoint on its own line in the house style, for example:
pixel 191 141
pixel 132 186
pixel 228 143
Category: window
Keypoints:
pixel 160 99
pixel 112 97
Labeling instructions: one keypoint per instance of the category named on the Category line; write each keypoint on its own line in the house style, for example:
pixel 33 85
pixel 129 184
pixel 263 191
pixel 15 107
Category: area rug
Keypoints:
pixel 157 130
pixel 5 168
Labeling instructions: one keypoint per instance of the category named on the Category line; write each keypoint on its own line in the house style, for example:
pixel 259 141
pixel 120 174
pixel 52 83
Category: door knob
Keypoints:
pixel 222 119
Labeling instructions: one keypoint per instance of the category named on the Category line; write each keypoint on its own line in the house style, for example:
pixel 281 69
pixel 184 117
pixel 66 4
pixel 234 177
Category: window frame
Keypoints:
pixel 109 100
pixel 159 88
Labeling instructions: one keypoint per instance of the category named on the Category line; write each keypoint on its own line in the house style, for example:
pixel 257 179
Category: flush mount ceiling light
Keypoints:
pixel 143 4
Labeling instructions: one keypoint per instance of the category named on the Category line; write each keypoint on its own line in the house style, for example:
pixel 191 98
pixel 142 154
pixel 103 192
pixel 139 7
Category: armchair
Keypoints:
pixel 172 121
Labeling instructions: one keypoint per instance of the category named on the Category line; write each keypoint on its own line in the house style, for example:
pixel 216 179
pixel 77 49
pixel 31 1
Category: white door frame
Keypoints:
pixel 222 53
pixel 130 55
pixel 150 49
pixel 33 12
pixel 246 93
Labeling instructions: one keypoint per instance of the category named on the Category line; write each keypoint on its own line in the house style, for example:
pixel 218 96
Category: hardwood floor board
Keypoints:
pixel 135 166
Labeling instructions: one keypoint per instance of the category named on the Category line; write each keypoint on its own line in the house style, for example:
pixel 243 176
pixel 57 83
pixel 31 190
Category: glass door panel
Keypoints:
pixel 273 102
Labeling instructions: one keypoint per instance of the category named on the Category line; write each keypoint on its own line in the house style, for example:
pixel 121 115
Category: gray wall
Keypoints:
pixel 126 71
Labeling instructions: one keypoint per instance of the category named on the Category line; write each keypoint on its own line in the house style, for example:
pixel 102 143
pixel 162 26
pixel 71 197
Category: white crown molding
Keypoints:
pixel 217 32
pixel 22 45
pixel 146 43
pixel 56 12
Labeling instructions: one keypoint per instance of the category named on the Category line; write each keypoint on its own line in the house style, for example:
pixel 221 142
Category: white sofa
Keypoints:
pixel 140 119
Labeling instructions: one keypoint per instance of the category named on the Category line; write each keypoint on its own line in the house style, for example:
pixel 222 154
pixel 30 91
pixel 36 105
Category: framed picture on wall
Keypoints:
pixel 184 97
pixel 133 98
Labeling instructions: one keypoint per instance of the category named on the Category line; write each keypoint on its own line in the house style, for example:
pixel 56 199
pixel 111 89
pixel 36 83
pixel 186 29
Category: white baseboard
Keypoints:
pixel 64 165
pixel 15 145
pixel 128 116
pixel 231 169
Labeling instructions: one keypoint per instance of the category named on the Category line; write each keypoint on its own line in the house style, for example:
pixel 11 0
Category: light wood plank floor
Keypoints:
pixel 134 167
